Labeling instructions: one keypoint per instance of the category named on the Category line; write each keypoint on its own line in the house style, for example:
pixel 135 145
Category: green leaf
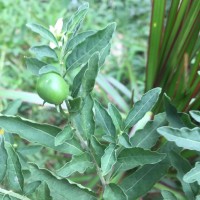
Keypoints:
pixel 31 187
pixel 78 39
pixel 3 159
pixel 83 51
pixel 87 117
pixel 184 137
pixel 72 26
pixel 148 136
pixel 42 192
pixel 75 104
pixel 48 68
pixel 38 133
pixel 124 140
pixel 66 134
pixel 104 119
pixel 195 114
pixel 114 192
pixel 78 81
pixel 45 33
pixel 141 107
pixel 78 163
pixel 90 75
pixel 167 195
pixel 29 149
pixel 60 187
pixel 182 166
pixel 193 175
pixel 116 116
pixel 14 171
pixel 97 146
pixel 109 138
pixel 34 65
pixel 103 54
pixel 12 108
pixel 131 158
pixel 108 159
pixel 141 181
pixel 44 51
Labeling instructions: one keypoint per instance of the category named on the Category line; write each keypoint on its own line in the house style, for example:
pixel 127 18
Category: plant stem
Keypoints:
pixel 13 194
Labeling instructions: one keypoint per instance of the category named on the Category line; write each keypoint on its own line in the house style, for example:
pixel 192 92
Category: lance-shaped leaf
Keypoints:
pixel 130 158
pixel 43 51
pixel 14 171
pixel 124 140
pixel 42 134
pixel 75 105
pixel 195 115
pixel 34 65
pixel 184 137
pixel 60 188
pixel 12 107
pixel 104 119
pixel 78 163
pixel 141 107
pixel 87 117
pixel 113 192
pixel 72 26
pixel 42 192
pixel 148 136
pixel 193 175
pixel 31 187
pixel 3 159
pixel 66 134
pixel 83 51
pixel 167 195
pixel 77 81
pixel 97 146
pixel 182 166
pixel 103 54
pixel 116 116
pixel 48 68
pixel 78 39
pixel 90 74
pixel 108 159
pixel 45 33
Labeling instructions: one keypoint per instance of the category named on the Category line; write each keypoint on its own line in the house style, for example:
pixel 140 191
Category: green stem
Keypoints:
pixel 13 194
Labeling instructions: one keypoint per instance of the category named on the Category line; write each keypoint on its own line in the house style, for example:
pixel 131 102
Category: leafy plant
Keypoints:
pixel 96 141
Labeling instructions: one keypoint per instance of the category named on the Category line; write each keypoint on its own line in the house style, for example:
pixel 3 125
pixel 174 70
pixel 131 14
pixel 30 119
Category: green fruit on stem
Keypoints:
pixel 52 88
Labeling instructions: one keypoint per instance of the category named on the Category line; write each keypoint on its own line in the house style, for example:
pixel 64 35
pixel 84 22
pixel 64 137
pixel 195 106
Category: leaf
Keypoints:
pixel 48 68
pixel 42 192
pixel 141 107
pixel 45 33
pixel 167 195
pixel 195 114
pixel 104 119
pixel 60 187
pixel 182 166
pixel 114 192
pixel 12 108
pixel 148 136
pixel 34 65
pixel 108 159
pixel 29 149
pixel 87 117
pixel 75 104
pixel 109 138
pixel 14 171
pixel 184 137
pixel 78 39
pixel 124 140
pixel 44 51
pixel 3 159
pixel 66 134
pixel 78 81
pixel 116 116
pixel 74 22
pixel 38 133
pixel 97 146
pixel 90 75
pixel 83 51
pixel 193 175
pixel 103 54
pixel 78 163
pixel 131 158
pixel 31 187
